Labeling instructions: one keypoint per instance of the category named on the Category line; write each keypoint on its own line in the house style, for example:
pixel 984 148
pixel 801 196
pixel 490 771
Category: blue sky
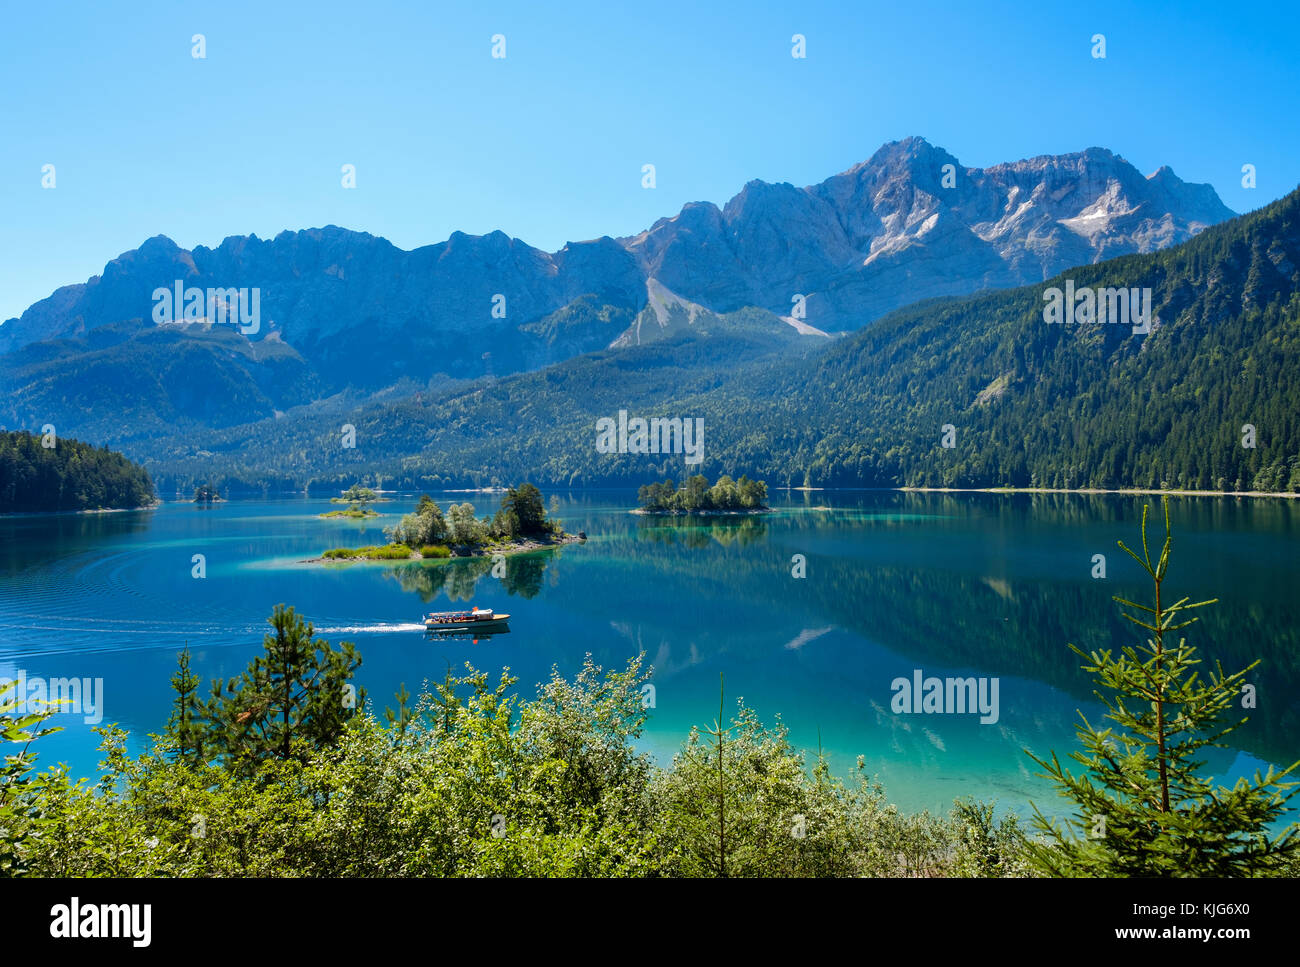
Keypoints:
pixel 547 144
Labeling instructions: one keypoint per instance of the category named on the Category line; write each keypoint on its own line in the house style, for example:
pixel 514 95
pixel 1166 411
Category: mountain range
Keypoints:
pixel 346 315
pixel 820 331
pixel 973 391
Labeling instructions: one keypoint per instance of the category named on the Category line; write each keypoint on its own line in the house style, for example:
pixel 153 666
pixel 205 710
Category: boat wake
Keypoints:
pixel 376 629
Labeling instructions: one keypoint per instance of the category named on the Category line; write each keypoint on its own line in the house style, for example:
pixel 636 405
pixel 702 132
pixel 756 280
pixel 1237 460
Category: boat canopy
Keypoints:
pixel 474 614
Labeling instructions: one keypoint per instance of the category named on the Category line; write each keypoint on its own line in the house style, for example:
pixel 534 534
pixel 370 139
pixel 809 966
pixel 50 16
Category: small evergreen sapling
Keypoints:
pixel 185 724
pixel 1144 804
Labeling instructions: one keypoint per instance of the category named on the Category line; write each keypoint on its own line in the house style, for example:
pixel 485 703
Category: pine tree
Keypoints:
pixel 1144 804
pixel 295 697
pixel 185 723
pixel 446 703
pixel 719 734
pixel 401 719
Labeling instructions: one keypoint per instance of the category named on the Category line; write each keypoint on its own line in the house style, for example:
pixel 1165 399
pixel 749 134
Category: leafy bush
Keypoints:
pixel 23 801
pixel 425 526
pixel 463 527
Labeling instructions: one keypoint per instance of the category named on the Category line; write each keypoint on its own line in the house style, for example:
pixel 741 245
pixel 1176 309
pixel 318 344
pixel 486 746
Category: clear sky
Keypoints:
pixel 548 143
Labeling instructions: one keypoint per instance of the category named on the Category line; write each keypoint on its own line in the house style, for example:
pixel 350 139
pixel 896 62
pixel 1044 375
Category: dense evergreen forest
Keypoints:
pixel 1038 405
pixel 1207 400
pixel 68 475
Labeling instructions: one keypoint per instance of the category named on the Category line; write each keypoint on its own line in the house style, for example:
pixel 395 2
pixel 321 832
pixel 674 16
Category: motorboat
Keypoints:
pixel 477 619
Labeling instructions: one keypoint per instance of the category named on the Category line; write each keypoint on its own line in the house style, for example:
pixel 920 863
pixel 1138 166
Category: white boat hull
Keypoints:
pixel 487 625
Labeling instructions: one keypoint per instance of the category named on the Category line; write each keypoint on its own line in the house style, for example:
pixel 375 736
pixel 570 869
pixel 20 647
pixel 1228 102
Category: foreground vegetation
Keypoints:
pixel 67 475
pixel 469 780
pixel 1143 804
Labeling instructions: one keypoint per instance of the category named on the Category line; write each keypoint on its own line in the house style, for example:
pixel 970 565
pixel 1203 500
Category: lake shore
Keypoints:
pixel 1090 490
pixel 153 505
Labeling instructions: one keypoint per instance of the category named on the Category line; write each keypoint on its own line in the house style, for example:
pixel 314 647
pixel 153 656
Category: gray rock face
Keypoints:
pixel 887 232
pixel 356 306
pixel 900 227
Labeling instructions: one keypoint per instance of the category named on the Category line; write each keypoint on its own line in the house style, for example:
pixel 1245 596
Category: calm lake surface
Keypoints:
pixel 981 585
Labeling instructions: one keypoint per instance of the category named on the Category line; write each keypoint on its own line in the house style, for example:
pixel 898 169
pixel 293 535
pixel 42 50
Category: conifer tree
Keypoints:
pixel 446 703
pixel 295 697
pixel 401 719
pixel 1144 806
pixel 185 723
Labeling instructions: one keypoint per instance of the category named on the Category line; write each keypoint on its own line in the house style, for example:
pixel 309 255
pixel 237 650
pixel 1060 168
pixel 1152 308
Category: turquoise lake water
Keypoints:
pixel 954 585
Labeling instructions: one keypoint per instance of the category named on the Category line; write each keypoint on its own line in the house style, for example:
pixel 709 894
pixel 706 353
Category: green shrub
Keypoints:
pixel 388 552
pixel 435 550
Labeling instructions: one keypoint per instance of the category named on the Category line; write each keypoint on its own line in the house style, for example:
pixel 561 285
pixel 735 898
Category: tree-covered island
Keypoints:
pixel 206 494
pixel 696 496
pixel 519 524
pixel 358 499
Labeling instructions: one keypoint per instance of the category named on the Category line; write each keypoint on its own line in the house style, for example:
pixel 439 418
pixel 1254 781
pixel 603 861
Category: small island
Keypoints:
pixel 696 496
pixel 206 494
pixel 520 524
pixel 358 499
